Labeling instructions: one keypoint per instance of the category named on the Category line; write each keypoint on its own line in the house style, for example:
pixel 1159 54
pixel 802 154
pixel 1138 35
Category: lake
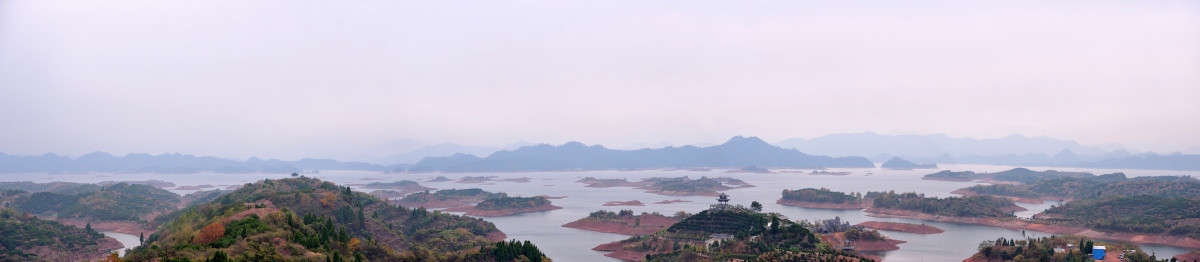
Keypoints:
pixel 567 244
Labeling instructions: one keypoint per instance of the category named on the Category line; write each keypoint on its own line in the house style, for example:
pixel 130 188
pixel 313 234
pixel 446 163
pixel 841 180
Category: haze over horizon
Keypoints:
pixel 280 79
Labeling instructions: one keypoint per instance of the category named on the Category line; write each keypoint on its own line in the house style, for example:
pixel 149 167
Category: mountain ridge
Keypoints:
pixel 737 152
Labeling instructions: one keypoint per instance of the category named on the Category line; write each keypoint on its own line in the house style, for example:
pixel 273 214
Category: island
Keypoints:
pixel 822 198
pixel 1015 175
pixel 902 227
pixel 623 203
pixel 673 186
pixel 609 182
pixel 727 232
pixel 751 169
pixel 672 201
pixel 440 179
pixel 897 163
pixel 624 222
pixel 474 179
pixel 506 206
pixel 401 188
pixel 684 186
pixel 448 198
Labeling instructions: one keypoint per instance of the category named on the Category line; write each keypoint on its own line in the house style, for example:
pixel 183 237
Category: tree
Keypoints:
pixel 219 256
pixel 756 206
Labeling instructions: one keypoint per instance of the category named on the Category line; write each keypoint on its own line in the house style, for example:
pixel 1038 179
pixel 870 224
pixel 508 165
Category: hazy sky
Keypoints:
pixel 289 78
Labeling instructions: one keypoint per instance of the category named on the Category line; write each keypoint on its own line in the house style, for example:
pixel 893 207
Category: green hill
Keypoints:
pixel 115 202
pixel 24 237
pixel 730 234
pixel 306 219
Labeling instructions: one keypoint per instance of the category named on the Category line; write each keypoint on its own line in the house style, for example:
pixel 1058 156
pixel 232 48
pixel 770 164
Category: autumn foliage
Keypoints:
pixel 209 233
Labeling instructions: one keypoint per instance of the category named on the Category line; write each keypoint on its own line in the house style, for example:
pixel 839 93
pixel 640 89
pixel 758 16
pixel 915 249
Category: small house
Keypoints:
pixel 1098 252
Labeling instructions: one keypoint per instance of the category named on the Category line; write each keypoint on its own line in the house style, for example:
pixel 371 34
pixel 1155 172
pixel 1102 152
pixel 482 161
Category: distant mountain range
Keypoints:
pixel 443 149
pixel 914 147
pixel 738 152
pixel 840 150
pixel 1014 150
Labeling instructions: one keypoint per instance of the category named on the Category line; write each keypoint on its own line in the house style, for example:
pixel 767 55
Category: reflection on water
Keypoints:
pixel 567 244
pixel 130 241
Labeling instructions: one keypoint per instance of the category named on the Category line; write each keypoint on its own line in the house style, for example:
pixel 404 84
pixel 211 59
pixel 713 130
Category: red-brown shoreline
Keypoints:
pixel 648 224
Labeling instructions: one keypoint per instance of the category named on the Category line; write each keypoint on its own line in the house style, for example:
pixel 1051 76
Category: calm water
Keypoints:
pixel 567 244
pixel 130 241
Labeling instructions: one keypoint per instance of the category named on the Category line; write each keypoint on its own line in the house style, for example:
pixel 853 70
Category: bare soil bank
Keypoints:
pixel 625 225
pixel 617 251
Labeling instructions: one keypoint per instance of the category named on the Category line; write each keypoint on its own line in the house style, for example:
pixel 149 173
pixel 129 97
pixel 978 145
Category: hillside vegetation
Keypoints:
pixel 26 238
pixel 126 202
pixel 756 237
pixel 1141 214
pixel 974 206
pixel 311 220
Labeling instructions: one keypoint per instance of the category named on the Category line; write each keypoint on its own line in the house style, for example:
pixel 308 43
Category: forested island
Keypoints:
pixel 448 198
pixel 822 198
pixel 1015 175
pixel 625 222
pixel 506 206
pixel 734 233
pixel 308 219
pixel 673 186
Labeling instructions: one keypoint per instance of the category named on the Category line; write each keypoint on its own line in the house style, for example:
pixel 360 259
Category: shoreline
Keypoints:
pixel 838 206
pixel 902 227
pixel 1036 201
pixel 648 225
pixel 471 211
pixel 1020 224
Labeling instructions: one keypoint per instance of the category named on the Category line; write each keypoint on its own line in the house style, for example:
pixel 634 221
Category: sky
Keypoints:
pixel 290 79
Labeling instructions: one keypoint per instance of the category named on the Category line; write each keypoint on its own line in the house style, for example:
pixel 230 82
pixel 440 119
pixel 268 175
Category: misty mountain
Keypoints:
pixel 933 146
pixel 738 152
pixel 1185 162
pixel 167 163
pixel 439 150
pixel 901 164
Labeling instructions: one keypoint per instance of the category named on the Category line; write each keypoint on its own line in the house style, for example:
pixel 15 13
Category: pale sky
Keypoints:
pixel 289 79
